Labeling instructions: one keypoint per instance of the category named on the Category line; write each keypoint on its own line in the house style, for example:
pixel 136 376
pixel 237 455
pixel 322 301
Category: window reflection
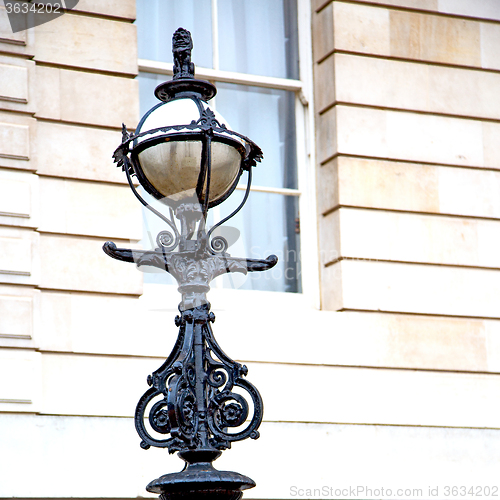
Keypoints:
pixel 147 84
pixel 259 37
pixel 266 226
pixel 255 37
pixel 267 116
pixel 158 19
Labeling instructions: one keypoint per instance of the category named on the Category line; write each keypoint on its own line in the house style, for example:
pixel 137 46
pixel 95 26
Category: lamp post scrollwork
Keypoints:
pixel 199 401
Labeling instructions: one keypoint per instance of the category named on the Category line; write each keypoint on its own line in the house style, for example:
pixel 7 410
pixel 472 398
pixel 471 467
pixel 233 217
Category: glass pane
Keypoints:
pixel 267 116
pixel 259 37
pixel 266 225
pixel 151 226
pixel 158 19
pixel 147 84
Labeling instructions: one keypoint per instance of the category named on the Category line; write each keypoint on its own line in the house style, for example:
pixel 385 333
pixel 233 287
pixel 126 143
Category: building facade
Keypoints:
pixel 378 355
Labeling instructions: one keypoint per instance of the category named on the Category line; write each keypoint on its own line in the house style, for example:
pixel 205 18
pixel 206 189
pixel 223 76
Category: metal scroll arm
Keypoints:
pixel 219 240
pixel 127 169
pixel 218 264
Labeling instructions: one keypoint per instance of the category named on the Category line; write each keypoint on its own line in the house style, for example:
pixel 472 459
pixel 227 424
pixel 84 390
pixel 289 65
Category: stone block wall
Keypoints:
pixel 408 117
pixel 393 383
pixel 65 88
pixel 407 128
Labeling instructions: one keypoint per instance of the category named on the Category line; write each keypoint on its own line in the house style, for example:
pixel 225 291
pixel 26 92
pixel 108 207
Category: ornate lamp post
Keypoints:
pixel 199 400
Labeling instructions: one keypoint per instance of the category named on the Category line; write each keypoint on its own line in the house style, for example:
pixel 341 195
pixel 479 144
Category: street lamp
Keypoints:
pixel 186 156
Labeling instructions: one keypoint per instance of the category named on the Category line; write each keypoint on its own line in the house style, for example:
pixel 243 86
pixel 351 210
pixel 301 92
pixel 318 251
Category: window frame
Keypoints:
pixel 304 116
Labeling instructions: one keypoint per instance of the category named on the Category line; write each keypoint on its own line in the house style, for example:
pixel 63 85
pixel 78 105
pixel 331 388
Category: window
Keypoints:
pixel 250 50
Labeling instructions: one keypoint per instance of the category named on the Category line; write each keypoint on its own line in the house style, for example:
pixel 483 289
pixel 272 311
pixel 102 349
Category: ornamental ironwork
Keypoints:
pixel 199 401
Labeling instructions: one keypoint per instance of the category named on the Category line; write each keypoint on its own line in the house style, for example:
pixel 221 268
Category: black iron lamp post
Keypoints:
pixel 199 400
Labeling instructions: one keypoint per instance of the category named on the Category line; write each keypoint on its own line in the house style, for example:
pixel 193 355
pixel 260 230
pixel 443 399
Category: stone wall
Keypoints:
pixel 65 88
pixel 392 384
pixel 407 128
pixel 408 121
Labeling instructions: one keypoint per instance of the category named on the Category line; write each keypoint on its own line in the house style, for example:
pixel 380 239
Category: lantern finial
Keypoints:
pixel 182 44
pixel 183 83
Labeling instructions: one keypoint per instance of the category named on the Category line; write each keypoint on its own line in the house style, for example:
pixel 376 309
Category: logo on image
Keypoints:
pixel 26 14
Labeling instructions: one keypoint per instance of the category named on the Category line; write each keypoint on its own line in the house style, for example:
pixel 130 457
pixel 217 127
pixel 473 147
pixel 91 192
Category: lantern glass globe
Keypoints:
pixel 168 162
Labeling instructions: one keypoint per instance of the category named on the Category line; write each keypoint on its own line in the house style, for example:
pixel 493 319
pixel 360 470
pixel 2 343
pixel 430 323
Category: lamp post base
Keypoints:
pixel 200 481
pixel 199 396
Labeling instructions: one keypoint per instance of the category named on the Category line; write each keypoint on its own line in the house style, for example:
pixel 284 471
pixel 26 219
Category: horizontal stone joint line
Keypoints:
pixel 408 111
pixel 52 352
pixel 422 62
pixel 12 214
pixel 328 54
pixel 86 236
pixel 16 273
pixel 427 315
pixel 78 415
pixel 373 367
pixel 90 237
pixel 72 291
pixel 304 422
pixel 314 422
pixel 401 160
pixel 14 157
pixel 409 212
pixel 14 99
pixel 26 57
pixel 25 111
pixel 95 15
pixel 17 401
pixel 423 11
pixel 14 336
pixel 412 263
pixel 282 363
pixel 13 42
pixel 334 261
pixel 324 5
pixel 82 69
pixel 83 124
pixel 92 292
pixel 84 180
pixel 411 162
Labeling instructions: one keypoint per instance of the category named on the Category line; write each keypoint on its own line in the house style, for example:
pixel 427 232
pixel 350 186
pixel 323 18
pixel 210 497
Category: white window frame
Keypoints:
pixel 306 192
